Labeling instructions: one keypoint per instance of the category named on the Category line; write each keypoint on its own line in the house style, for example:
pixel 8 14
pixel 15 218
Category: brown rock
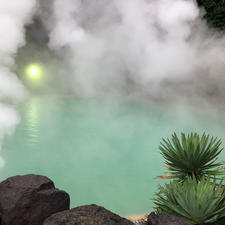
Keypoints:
pixel 164 219
pixel 29 199
pixel 86 215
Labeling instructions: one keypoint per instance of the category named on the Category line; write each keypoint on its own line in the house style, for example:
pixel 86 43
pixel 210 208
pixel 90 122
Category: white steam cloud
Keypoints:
pixel 14 15
pixel 157 48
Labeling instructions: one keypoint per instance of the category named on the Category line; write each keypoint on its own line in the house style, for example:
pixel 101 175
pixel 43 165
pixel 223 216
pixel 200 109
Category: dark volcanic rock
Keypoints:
pixel 164 219
pixel 29 199
pixel 86 215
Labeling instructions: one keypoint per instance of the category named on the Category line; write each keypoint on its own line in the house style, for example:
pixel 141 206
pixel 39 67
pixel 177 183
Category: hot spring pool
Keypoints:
pixel 103 152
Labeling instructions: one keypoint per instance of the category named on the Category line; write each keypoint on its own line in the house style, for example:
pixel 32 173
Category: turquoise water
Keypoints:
pixel 100 151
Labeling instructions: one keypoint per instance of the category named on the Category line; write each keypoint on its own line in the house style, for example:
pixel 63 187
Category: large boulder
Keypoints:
pixel 86 215
pixel 29 199
pixel 164 219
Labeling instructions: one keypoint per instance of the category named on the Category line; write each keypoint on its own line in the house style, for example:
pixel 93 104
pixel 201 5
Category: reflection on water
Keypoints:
pixel 103 152
pixel 32 122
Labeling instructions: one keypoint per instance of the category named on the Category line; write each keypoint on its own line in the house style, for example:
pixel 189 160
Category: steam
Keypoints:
pixel 14 15
pixel 160 49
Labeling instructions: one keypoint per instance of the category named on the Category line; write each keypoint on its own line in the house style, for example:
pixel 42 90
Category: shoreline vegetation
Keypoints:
pixel 214 12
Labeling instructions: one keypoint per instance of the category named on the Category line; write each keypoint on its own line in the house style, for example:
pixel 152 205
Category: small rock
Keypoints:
pixel 164 219
pixel 86 215
pixel 29 199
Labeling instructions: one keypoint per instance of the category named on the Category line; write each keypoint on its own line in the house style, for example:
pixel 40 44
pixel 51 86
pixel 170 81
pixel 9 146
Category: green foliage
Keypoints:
pixel 215 12
pixel 192 155
pixel 192 160
pixel 199 202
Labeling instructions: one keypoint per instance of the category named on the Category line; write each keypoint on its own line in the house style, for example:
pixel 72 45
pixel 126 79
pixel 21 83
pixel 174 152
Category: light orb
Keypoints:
pixel 34 71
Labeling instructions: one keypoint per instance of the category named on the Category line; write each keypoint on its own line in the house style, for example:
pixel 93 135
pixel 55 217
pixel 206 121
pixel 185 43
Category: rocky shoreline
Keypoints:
pixel 34 200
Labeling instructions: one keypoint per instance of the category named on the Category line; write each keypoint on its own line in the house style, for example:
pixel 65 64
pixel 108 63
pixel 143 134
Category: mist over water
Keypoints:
pixel 14 15
pixel 140 48
pixel 136 71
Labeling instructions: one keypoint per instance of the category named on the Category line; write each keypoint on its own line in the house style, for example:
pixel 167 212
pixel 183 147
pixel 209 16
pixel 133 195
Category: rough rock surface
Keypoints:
pixel 29 199
pixel 86 215
pixel 165 219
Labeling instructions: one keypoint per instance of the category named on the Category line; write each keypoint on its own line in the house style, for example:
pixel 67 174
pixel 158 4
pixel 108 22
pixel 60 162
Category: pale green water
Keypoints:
pixel 103 152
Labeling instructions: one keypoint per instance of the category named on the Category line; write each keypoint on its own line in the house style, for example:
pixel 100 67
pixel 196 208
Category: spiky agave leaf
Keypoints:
pixel 200 202
pixel 192 155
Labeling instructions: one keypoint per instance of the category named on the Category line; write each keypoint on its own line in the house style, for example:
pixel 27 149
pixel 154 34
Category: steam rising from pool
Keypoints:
pixel 13 17
pixel 159 49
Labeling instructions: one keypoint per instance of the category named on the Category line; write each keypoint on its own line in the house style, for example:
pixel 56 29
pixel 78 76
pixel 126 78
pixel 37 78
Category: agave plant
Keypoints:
pixel 199 202
pixel 192 155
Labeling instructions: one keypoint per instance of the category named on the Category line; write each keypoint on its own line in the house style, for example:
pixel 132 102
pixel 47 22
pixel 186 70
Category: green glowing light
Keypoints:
pixel 34 71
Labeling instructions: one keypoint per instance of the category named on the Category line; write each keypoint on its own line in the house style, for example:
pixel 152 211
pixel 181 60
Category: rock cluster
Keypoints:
pixel 34 200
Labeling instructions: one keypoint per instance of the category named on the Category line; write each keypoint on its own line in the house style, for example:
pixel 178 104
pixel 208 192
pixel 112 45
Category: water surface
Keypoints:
pixel 100 151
